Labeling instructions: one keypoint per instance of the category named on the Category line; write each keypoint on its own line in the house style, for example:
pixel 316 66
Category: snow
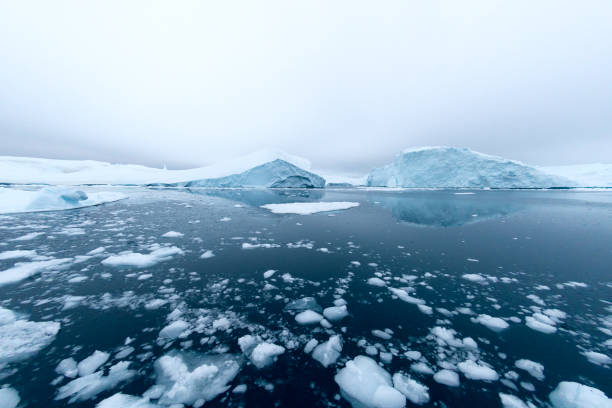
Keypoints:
pixel 492 323
pixel 364 384
pixel 583 175
pixel 52 199
pixel 309 208
pixel 20 339
pixel 265 354
pixel 447 377
pixel 308 317
pixel 475 371
pixel 88 386
pixel 120 400
pixel 576 395
pixel 24 270
pixel 138 260
pixel 90 364
pixel 416 392
pixel 327 353
pixel 282 168
pixel 192 379
pixel 452 167
pixel 535 369
pixel 335 313
pixel 9 398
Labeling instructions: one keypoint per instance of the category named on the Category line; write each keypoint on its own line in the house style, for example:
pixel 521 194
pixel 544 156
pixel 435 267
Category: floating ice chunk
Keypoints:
pixel 90 364
pixel 306 303
pixel 265 354
pixel 492 323
pixel 52 199
pixel 138 260
pixel 88 386
pixel 268 274
pixel 421 368
pixel 155 304
pixel 576 395
pixel 24 270
pixel 221 324
pixel 20 339
pixel 381 334
pixel 7 316
pixel 416 392
pixel 29 236
pixel 246 245
pixel 536 299
pixel 173 234
pixel 192 379
pixel 309 208
pixel 97 251
pixel 536 324
pixel 9 398
pixel 335 313
pixel 597 358
pixel 476 371
pixel 376 282
pixel 120 400
pixel 413 354
pixel 328 352
pixel 474 277
pixel 364 384
pixel 573 284
pixel 535 369
pixel 240 389
pixel 310 345
pixel 67 367
pixel 207 254
pixel 403 295
pixel 174 329
pixel 510 401
pixel 425 309
pixel 447 377
pixel 17 254
pixel 308 317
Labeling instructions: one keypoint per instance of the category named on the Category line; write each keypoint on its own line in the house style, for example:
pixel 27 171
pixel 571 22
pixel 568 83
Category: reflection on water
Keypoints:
pixel 258 197
pixel 445 209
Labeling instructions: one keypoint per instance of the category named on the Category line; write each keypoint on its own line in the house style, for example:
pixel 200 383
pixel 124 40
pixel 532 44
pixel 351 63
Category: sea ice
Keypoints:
pixel 308 208
pixel 137 260
pixel 493 323
pixel 416 392
pixel 90 364
pixel 9 398
pixel 535 369
pixel 51 199
pixel 447 377
pixel 328 352
pixel 308 317
pixel 88 386
pixel 576 395
pixel 476 371
pixel 364 384
pixel 20 339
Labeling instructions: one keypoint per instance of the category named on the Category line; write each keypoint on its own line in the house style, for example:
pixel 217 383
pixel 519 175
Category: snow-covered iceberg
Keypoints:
pixel 264 168
pixel 452 167
pixel 52 199
pixel 275 174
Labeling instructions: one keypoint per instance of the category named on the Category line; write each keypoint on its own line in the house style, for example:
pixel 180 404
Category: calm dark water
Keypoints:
pixel 518 241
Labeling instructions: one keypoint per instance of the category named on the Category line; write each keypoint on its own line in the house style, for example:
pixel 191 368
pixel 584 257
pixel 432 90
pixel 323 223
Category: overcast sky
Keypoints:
pixel 347 84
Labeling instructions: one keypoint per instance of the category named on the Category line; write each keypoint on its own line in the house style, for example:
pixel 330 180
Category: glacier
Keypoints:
pixel 452 167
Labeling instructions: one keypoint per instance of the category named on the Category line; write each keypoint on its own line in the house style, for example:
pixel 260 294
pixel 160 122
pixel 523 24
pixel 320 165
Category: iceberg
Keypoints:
pixel 583 175
pixel 264 168
pixel 52 199
pixel 452 167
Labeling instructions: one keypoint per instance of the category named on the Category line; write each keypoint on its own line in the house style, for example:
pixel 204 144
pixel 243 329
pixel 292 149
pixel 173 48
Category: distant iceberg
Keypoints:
pixel 52 199
pixel 583 175
pixel 274 174
pixel 452 167
pixel 264 168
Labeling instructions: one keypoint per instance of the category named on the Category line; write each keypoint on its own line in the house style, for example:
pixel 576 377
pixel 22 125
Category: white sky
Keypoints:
pixel 347 84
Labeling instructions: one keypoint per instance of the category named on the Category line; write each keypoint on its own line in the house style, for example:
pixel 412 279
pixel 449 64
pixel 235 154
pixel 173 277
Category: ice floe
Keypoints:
pixel 309 208
pixel 575 395
pixel 52 199
pixel 9 398
pixel 138 260
pixel 328 352
pixel 20 339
